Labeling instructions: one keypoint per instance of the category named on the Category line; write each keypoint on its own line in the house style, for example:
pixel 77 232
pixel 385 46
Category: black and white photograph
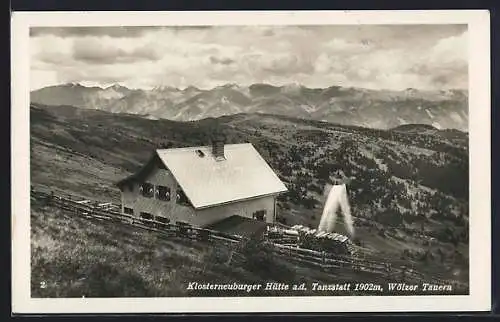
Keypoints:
pixel 220 159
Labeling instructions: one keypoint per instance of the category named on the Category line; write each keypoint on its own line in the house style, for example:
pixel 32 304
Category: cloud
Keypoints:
pixel 90 31
pixel 394 57
pixel 284 64
pixel 342 45
pixel 223 61
pixel 449 51
pixel 115 32
pixel 92 50
pixel 446 63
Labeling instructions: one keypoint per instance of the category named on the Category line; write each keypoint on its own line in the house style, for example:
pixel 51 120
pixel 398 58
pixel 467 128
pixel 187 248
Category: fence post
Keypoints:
pixel 50 198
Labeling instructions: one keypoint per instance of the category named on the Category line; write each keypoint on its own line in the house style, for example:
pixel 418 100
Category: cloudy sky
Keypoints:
pixel 391 57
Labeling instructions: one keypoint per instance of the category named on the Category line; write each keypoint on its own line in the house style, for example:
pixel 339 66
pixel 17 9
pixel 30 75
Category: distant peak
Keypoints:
pixel 77 85
pixel 164 88
pixel 190 88
pixel 229 85
pixel 73 84
pixel 292 87
pixel 117 87
pixel 262 85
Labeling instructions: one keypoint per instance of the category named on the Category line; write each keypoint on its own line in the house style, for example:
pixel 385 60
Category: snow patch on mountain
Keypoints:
pixel 344 105
pixel 437 125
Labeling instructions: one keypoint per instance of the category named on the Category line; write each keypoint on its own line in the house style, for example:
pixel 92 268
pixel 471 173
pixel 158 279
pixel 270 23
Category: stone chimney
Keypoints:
pixel 218 149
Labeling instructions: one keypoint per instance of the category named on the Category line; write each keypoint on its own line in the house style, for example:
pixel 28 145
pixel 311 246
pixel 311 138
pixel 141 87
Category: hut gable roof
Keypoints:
pixel 206 181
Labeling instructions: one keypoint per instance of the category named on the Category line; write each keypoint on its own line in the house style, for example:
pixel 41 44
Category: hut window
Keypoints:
pixel 182 198
pixel 147 190
pixel 259 215
pixel 163 220
pixel 163 193
pixel 128 211
pixel 146 215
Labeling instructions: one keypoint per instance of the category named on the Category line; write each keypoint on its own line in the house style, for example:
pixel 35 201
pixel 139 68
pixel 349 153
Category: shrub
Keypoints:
pixel 260 260
pixel 390 218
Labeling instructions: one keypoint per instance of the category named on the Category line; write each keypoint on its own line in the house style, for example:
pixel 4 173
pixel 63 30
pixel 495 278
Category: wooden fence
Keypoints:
pixel 99 210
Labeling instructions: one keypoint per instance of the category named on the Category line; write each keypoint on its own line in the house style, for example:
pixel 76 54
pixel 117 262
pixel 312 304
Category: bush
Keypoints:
pixel 260 260
pixel 358 242
pixel 217 255
pixel 390 218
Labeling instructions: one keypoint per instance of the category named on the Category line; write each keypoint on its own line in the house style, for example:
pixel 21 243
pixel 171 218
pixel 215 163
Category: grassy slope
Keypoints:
pixel 399 179
pixel 75 257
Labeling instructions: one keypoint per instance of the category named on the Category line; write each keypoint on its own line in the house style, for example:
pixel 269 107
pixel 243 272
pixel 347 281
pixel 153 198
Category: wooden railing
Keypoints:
pixel 99 210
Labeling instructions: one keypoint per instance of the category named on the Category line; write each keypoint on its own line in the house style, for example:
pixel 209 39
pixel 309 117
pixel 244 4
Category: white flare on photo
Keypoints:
pixel 337 199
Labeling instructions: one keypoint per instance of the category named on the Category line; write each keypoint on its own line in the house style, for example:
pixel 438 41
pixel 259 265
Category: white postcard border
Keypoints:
pixel 479 157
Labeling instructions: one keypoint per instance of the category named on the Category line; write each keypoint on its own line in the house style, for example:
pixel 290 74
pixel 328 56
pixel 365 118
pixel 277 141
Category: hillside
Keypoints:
pixel 407 186
pixel 75 257
pixel 382 109
pixel 419 169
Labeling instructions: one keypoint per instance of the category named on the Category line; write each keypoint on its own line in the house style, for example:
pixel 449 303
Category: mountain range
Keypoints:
pixel 382 109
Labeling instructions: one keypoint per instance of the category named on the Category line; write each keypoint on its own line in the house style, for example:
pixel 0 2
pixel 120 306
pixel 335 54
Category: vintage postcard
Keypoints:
pixel 250 161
